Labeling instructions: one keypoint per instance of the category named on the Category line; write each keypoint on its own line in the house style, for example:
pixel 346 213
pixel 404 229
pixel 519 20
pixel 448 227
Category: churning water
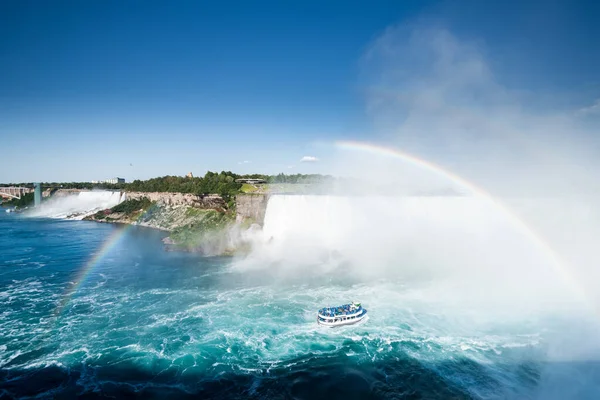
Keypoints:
pixel 144 322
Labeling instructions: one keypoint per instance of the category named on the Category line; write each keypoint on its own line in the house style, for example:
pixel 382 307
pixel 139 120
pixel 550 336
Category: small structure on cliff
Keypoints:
pixel 251 181
pixel 189 175
pixel 111 180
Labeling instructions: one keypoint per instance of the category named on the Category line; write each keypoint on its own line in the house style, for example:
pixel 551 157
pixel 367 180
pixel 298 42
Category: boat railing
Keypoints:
pixel 335 311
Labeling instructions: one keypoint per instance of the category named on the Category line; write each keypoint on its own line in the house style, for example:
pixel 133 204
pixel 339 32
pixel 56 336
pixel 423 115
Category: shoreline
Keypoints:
pixel 204 224
pixel 187 229
pixel 99 221
pixel 168 244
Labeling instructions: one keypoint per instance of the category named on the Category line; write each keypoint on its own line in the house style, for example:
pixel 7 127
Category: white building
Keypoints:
pixel 111 180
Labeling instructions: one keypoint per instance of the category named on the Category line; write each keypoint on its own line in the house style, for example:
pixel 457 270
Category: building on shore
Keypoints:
pixel 111 180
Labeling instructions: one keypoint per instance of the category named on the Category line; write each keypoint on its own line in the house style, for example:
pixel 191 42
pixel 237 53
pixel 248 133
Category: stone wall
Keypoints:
pixel 211 201
pixel 252 206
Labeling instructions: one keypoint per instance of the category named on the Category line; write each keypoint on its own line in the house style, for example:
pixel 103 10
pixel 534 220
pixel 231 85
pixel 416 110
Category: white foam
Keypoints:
pixel 77 206
pixel 474 252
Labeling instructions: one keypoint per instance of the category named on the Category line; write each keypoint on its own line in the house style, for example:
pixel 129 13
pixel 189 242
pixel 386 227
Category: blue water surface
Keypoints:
pixel 148 323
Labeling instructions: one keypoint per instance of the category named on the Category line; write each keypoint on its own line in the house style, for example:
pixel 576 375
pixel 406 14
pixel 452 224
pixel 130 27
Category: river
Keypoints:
pixel 97 311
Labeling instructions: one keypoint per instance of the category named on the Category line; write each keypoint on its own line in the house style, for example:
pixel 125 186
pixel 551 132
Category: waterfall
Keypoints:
pixel 77 205
pixel 463 239
pixel 427 227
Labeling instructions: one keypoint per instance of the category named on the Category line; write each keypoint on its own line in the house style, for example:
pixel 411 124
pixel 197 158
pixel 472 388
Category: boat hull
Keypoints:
pixel 341 322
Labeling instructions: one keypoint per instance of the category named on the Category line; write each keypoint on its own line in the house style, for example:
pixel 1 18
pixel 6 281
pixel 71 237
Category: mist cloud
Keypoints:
pixel 436 95
pixel 592 109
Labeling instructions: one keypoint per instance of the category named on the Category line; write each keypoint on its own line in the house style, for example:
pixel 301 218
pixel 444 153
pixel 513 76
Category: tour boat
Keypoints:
pixel 346 314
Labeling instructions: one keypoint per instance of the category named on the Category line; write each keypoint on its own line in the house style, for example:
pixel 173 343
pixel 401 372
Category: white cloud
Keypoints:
pixel 593 109
pixel 244 162
pixel 309 159
pixel 290 166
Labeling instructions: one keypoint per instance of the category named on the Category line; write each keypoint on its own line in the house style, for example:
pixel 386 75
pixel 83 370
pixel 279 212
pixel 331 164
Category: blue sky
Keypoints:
pixel 88 88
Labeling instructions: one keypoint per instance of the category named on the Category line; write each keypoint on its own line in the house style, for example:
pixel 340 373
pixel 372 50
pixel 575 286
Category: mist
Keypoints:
pixel 441 101
pixel 522 247
pixel 435 96
pixel 76 205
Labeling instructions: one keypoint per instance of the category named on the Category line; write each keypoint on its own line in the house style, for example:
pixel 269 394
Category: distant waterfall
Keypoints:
pixel 77 205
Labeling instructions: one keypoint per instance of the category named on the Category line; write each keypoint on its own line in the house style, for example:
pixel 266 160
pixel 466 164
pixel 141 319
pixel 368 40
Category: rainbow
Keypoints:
pixel 86 270
pixel 557 264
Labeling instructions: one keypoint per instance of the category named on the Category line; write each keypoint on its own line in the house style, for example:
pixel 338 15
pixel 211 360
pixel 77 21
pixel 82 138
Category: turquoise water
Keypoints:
pixel 157 324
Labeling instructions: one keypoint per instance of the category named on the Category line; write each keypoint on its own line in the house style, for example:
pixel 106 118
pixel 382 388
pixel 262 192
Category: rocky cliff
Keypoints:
pixel 206 231
pixel 251 207
pixel 161 210
pixel 196 223
pixel 166 218
pixel 208 202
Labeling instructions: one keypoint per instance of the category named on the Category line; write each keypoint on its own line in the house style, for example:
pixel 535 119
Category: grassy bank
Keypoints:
pixel 248 188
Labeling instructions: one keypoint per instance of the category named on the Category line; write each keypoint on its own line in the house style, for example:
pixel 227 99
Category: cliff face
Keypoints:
pixel 208 202
pixel 211 201
pixel 196 223
pixel 158 217
pixel 251 206
pixel 62 192
pixel 206 231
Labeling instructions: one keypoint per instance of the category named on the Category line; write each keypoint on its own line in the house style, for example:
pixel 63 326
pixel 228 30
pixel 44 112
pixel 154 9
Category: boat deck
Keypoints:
pixel 344 309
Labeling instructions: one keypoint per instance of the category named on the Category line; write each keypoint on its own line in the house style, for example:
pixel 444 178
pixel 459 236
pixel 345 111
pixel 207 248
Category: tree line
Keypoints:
pixel 222 183
pixel 299 178
pixel 54 185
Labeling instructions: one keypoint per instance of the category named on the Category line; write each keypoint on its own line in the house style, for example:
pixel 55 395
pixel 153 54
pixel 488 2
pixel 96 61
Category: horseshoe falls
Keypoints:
pixel 463 304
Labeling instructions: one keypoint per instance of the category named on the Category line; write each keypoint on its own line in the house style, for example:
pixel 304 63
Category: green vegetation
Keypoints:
pixel 127 207
pixel 100 215
pixel 247 188
pixel 300 178
pixel 26 200
pixel 55 185
pixel 192 212
pixel 295 178
pixel 130 206
pixel 222 183
pixel 207 184
pixel 207 228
